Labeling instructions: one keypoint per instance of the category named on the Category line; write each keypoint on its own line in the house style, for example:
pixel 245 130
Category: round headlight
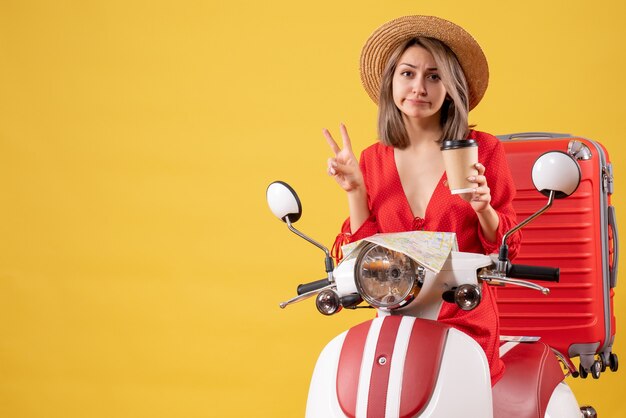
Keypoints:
pixel 385 278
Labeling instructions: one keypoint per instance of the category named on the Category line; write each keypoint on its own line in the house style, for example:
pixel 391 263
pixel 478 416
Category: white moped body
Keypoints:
pixel 409 366
pixel 404 363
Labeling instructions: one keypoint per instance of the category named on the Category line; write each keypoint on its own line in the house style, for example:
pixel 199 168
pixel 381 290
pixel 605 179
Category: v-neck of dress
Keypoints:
pixel 436 190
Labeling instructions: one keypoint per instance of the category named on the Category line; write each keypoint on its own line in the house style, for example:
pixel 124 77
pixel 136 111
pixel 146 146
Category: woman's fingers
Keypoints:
pixel 347 145
pixel 331 142
pixel 481 196
pixel 344 166
pixel 331 167
pixel 480 176
pixel 482 191
pixel 343 169
pixel 480 180
pixel 337 167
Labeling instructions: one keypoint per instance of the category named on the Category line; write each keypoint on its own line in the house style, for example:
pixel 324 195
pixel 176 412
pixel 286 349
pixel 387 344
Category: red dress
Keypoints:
pixel 390 212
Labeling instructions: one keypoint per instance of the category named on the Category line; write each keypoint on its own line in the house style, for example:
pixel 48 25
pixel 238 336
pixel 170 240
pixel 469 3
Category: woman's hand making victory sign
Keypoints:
pixel 344 166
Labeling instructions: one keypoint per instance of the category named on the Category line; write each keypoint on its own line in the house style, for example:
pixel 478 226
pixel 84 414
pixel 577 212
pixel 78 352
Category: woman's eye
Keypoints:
pixel 406 73
pixel 434 77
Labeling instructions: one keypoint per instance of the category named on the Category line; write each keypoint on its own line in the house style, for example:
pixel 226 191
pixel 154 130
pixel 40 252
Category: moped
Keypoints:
pixel 403 363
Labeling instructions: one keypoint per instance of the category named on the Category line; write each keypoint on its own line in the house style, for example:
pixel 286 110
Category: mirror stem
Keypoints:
pixel 330 265
pixel 503 257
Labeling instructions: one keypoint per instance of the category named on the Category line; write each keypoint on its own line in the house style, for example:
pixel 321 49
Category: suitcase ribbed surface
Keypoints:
pixel 578 312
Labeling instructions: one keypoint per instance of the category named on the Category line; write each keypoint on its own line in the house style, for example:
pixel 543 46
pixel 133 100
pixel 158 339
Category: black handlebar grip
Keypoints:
pixel 521 271
pixel 308 287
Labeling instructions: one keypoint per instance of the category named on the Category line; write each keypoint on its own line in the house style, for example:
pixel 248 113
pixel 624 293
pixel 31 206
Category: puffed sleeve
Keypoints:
pixel 502 187
pixel 369 227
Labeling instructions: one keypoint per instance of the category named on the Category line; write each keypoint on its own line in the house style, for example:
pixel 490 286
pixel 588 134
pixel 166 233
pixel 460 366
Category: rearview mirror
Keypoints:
pixel 283 201
pixel 556 171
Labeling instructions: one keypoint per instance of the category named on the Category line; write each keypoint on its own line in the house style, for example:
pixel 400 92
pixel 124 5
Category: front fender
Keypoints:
pixel 400 366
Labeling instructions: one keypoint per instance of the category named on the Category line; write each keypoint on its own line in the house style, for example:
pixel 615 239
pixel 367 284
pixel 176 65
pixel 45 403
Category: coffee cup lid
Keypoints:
pixel 458 143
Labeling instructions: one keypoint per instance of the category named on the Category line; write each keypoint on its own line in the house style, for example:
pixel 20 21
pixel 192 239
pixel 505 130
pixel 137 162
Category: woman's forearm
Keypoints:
pixel 489 222
pixel 359 210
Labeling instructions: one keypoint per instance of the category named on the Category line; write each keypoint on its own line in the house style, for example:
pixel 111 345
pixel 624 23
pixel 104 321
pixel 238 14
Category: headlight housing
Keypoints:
pixel 467 296
pixel 385 278
pixel 328 302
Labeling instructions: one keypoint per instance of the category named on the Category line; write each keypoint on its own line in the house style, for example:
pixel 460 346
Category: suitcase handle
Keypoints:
pixel 532 135
pixel 613 226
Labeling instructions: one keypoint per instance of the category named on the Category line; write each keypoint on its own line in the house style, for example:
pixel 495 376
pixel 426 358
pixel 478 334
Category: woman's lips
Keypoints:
pixel 417 101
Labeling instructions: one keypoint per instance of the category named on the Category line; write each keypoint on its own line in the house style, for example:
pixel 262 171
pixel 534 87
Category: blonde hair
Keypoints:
pixel 455 108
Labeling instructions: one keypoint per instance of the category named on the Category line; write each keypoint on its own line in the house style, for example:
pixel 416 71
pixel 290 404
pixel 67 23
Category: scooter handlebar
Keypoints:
pixel 309 287
pixel 521 271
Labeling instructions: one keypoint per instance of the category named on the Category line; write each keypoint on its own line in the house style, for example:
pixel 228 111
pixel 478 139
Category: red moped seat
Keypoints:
pixel 531 375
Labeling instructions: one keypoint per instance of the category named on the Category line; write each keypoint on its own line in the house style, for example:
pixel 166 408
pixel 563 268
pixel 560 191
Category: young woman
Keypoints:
pixel 426 73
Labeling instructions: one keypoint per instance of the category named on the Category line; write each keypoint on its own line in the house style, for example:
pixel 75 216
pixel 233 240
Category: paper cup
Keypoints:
pixel 459 158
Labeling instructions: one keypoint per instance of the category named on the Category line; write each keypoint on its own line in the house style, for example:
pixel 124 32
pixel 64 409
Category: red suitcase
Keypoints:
pixel 578 235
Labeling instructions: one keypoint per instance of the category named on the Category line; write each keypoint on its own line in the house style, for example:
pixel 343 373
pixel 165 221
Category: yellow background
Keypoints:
pixel 140 269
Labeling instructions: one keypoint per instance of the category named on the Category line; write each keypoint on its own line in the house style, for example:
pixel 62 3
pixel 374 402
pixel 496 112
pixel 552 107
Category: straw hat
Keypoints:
pixel 389 36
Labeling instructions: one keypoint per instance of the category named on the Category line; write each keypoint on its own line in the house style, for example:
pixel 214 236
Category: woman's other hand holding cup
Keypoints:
pixel 480 198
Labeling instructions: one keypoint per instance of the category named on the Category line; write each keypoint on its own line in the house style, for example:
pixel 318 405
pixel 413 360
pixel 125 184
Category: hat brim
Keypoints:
pixel 388 37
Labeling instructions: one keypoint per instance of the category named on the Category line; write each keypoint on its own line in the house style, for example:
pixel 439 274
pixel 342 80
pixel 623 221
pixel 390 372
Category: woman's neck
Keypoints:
pixel 423 131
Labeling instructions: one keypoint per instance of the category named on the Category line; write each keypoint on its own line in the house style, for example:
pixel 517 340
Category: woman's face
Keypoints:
pixel 417 89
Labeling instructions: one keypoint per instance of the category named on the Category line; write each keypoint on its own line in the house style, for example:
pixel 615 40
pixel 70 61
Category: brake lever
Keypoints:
pixel 500 280
pixel 304 296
